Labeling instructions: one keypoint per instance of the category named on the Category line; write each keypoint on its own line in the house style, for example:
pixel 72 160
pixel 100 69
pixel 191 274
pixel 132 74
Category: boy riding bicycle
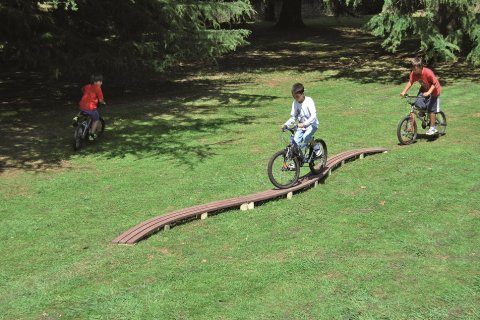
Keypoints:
pixel 92 95
pixel 428 98
pixel 303 111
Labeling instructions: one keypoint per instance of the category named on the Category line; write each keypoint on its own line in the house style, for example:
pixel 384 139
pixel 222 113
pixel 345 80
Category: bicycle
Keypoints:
pixel 407 127
pixel 82 123
pixel 284 166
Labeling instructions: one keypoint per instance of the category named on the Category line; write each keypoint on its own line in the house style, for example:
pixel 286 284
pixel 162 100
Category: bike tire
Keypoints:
pixel 406 130
pixel 100 127
pixel 78 138
pixel 319 162
pixel 441 123
pixel 278 172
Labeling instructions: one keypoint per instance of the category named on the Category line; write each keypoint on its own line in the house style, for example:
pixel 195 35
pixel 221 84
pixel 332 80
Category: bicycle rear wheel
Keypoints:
pixel 282 171
pixel 319 158
pixel 100 127
pixel 407 130
pixel 441 123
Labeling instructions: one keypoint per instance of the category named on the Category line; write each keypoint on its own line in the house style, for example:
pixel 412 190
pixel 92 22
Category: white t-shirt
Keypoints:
pixel 304 112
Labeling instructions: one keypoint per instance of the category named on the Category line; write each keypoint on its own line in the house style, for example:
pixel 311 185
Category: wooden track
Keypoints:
pixel 146 228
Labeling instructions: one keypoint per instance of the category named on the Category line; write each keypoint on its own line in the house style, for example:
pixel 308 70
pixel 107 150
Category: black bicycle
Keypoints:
pixel 407 127
pixel 82 123
pixel 284 166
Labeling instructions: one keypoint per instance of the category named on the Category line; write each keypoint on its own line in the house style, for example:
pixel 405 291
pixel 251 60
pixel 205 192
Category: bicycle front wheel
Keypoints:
pixel 282 171
pixel 78 138
pixel 407 130
pixel 318 155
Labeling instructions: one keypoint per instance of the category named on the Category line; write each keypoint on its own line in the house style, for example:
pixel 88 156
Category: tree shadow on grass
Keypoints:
pixel 176 121
pixel 340 46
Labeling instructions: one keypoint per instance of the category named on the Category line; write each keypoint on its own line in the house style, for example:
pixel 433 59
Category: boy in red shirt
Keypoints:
pixel 92 95
pixel 428 96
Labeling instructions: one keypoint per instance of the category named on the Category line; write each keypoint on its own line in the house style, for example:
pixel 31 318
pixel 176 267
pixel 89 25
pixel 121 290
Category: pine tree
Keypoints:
pixel 446 28
pixel 118 36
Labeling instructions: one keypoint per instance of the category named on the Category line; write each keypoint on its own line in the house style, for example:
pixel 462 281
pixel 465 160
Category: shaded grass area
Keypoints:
pixel 392 236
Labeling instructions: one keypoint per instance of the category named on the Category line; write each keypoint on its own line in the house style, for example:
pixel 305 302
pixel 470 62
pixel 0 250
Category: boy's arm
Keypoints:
pixel 429 92
pixel 313 115
pixel 434 82
pixel 100 95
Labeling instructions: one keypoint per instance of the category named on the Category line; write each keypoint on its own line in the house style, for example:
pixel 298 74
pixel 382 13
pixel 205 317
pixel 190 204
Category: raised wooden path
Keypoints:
pixel 145 229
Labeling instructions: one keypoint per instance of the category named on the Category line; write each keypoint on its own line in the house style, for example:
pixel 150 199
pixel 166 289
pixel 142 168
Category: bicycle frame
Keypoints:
pixel 294 150
pixel 415 112
pixel 86 123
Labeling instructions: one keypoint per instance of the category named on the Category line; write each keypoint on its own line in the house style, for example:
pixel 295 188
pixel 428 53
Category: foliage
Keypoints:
pixel 118 36
pixel 446 28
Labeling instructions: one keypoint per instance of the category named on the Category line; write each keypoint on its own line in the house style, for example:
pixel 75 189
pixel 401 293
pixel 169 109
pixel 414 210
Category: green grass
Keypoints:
pixel 393 236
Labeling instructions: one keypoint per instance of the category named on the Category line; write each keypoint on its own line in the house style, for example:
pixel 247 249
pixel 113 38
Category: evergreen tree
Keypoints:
pixel 446 28
pixel 118 36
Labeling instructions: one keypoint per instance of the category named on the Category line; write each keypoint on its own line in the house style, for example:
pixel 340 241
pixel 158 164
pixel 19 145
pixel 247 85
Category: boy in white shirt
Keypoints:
pixel 303 111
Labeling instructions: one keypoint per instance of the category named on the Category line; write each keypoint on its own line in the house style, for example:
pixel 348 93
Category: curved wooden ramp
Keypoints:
pixel 145 229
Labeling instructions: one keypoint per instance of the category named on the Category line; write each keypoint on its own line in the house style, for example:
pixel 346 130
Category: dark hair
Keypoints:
pixel 96 77
pixel 297 88
pixel 417 62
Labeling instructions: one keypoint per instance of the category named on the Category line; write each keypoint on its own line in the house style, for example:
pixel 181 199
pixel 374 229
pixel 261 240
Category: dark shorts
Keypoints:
pixel 92 114
pixel 430 103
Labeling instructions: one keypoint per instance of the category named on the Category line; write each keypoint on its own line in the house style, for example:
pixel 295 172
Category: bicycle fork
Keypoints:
pixel 412 116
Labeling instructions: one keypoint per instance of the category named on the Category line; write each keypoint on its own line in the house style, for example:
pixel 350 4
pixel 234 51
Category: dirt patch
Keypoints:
pixel 474 213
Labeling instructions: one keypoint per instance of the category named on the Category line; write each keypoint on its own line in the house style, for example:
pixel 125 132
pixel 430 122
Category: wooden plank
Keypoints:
pixel 247 202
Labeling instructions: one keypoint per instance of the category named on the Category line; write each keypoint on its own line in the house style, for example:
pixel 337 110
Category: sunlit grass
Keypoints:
pixel 392 236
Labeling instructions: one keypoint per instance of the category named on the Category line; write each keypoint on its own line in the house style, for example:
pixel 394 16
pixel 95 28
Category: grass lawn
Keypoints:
pixel 393 236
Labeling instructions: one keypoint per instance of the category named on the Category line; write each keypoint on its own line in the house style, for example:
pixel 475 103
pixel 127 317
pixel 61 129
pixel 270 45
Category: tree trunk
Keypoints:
pixel 269 11
pixel 340 9
pixel 291 14
pixel 448 21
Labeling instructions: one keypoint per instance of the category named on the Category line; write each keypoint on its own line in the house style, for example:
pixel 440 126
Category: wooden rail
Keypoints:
pixel 146 228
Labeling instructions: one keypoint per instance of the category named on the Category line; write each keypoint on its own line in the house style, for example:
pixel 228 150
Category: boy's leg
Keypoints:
pixel 95 117
pixel 298 138
pixel 94 126
pixel 308 134
pixel 303 137
pixel 433 108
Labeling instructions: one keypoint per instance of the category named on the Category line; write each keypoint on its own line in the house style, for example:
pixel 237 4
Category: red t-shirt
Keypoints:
pixel 426 80
pixel 91 95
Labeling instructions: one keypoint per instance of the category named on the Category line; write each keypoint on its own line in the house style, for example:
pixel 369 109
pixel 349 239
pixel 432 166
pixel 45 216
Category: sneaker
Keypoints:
pixel 431 131
pixel 92 136
pixel 291 166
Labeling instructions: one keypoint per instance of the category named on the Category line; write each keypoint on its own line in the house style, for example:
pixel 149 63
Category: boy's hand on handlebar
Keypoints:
pixel 403 94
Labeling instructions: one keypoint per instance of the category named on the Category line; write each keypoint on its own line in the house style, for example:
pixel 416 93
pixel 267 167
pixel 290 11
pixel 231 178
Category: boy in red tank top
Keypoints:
pixel 428 97
pixel 92 95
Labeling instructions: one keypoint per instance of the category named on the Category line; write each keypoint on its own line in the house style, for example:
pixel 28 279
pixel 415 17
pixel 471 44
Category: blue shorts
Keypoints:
pixel 430 103
pixel 92 114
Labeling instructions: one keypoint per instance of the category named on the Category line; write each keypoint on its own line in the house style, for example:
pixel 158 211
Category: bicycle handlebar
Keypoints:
pixel 410 99
pixel 291 129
